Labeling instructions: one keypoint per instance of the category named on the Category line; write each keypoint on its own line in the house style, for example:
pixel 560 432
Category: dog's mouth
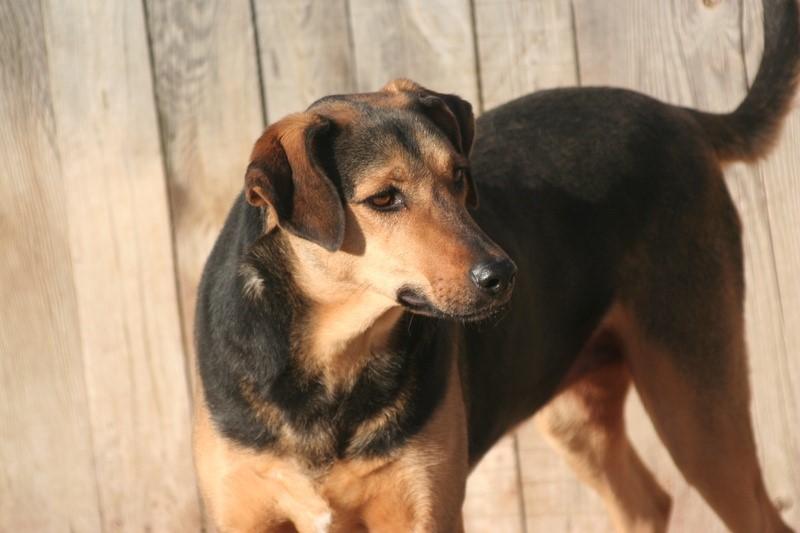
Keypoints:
pixel 416 302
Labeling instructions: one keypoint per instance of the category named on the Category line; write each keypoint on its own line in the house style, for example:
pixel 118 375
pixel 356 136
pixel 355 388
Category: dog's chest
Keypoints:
pixel 391 399
pixel 377 493
pixel 335 501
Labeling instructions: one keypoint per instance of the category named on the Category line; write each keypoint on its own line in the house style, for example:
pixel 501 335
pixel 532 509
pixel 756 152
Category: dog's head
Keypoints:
pixel 373 190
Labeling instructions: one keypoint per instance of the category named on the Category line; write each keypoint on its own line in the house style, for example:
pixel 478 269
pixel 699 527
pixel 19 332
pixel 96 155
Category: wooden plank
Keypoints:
pixel 119 242
pixel 47 478
pixel 305 53
pixel 429 41
pixel 209 106
pixel 555 500
pixel 493 501
pixel 690 53
pixel 777 406
pixel 432 43
pixel 523 46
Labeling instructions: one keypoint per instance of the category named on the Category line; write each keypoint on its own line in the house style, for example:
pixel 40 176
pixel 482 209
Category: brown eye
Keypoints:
pixel 459 177
pixel 387 200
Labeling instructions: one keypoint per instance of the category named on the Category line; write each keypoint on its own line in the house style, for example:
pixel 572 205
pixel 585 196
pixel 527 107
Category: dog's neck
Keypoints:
pixel 342 334
pixel 343 326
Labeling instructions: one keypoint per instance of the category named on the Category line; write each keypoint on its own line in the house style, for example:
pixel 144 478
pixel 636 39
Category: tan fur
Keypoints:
pixel 401 85
pixel 289 133
pixel 341 340
pixel 714 448
pixel 584 423
pixel 418 489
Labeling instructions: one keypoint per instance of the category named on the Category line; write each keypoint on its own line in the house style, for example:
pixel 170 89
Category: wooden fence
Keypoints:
pixel 125 128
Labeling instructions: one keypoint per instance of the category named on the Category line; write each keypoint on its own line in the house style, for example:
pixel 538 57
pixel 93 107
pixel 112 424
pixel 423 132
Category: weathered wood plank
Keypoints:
pixel 47 480
pixel 523 46
pixel 690 53
pixel 305 53
pixel 78 143
pixel 428 41
pixel 493 501
pixel 554 499
pixel 120 245
pixel 777 407
pixel 209 107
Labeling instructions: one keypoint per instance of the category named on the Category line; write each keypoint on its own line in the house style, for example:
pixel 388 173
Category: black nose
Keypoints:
pixel 495 276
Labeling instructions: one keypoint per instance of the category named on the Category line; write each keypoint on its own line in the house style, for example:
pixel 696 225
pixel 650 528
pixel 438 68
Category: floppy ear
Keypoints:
pixel 286 176
pixel 451 114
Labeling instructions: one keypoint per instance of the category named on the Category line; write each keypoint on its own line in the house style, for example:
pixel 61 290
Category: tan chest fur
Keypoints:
pixel 420 487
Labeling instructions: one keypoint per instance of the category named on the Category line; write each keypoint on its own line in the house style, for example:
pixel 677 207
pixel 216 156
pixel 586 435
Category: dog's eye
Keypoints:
pixel 386 200
pixel 459 177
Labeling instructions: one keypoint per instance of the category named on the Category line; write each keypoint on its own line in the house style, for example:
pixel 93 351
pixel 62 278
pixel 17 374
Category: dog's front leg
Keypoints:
pixel 397 511
pixel 252 502
pixel 422 491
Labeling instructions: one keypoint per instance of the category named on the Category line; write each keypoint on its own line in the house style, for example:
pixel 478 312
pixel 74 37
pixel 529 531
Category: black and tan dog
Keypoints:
pixel 345 386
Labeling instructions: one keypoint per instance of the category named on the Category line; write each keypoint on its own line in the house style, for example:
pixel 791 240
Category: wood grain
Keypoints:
pixel 429 41
pixel 523 46
pixel 209 109
pixel 120 245
pixel 777 408
pixel 104 237
pixel 47 480
pixel 690 53
pixel 554 499
pixel 306 53
pixel 494 500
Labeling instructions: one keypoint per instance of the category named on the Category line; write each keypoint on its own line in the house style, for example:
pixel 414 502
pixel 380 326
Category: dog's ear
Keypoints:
pixel 451 114
pixel 286 175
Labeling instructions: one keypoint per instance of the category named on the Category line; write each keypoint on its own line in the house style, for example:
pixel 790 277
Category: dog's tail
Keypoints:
pixel 750 131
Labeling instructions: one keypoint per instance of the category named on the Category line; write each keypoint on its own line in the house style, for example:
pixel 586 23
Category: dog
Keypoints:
pixel 359 348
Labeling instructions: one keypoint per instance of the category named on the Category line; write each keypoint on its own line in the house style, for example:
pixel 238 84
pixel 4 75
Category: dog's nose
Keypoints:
pixel 495 276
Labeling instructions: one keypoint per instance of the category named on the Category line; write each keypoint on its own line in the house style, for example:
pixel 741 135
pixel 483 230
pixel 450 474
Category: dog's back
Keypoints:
pixel 613 205
pixel 582 185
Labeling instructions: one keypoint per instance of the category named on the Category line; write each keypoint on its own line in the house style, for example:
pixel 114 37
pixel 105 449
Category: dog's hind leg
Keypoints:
pixel 699 405
pixel 584 422
pixel 680 318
